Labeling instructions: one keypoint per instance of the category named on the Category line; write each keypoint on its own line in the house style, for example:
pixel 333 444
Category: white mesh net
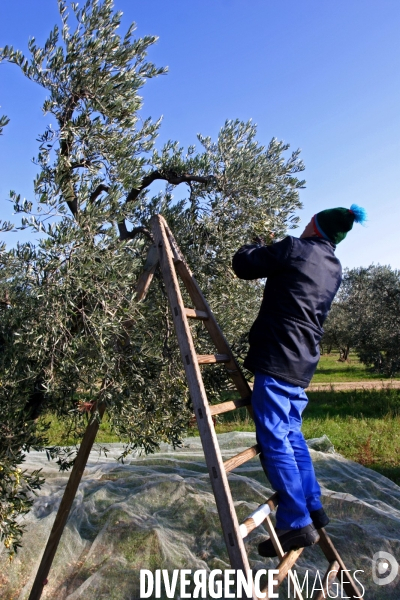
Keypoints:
pixel 158 512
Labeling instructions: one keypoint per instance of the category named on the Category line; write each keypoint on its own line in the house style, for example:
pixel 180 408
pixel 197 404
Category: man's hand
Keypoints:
pixel 258 240
pixel 261 241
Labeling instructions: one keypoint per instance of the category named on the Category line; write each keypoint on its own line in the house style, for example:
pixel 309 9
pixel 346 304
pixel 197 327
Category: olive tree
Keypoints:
pixel 378 297
pixel 366 317
pixel 341 328
pixel 72 334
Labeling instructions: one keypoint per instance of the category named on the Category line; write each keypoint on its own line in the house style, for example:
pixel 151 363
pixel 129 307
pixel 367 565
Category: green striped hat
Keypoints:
pixel 334 223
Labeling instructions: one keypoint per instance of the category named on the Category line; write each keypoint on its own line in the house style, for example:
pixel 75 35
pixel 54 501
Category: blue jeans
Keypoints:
pixel 277 407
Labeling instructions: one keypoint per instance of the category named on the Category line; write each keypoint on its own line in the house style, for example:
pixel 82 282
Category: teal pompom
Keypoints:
pixel 360 214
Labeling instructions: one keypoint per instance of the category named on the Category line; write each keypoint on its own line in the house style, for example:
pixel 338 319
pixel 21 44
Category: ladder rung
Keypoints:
pixel 210 359
pixel 254 520
pixel 241 458
pixel 217 409
pixel 329 576
pixel 279 550
pixel 192 313
pixel 287 563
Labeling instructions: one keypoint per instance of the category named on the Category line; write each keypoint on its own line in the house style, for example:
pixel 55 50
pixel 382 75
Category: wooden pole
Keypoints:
pixel 66 503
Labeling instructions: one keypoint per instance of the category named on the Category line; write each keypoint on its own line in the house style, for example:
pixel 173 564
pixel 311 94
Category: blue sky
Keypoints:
pixel 322 76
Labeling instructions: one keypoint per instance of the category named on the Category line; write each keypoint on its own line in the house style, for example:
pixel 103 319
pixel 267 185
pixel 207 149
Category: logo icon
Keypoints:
pixel 384 564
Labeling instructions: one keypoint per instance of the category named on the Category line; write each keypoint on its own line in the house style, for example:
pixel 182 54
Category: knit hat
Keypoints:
pixel 334 223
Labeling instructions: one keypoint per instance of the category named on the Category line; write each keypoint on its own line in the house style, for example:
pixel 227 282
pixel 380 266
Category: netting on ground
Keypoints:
pixel 158 512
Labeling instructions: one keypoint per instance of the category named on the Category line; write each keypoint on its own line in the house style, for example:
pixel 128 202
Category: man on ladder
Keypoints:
pixel 303 276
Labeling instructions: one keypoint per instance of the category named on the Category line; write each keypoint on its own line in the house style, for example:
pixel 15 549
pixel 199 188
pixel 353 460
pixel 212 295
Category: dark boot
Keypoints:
pixel 319 518
pixel 290 539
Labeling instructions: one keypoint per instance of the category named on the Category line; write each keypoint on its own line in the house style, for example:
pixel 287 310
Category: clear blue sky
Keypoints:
pixel 321 75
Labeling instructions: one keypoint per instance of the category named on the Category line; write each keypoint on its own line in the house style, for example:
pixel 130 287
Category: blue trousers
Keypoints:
pixel 277 407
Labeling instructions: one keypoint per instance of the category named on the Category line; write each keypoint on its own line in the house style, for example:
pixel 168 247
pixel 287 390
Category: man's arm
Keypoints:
pixel 256 262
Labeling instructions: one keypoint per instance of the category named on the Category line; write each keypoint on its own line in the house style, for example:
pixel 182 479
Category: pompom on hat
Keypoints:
pixel 334 223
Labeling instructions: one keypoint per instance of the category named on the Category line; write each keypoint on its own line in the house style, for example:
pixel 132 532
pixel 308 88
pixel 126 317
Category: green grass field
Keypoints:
pixel 363 425
pixel 330 370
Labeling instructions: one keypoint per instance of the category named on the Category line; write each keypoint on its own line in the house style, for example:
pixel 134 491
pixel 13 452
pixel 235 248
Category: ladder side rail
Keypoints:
pixel 332 555
pixel 230 525
pixel 329 577
pixel 145 279
pixel 211 324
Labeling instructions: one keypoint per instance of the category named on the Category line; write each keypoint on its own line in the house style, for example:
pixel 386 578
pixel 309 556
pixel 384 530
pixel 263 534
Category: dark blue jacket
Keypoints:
pixel 303 276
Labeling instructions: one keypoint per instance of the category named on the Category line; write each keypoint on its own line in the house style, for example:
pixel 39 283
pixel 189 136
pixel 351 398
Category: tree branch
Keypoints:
pixel 70 107
pixel 69 190
pixel 170 176
pixel 99 190
pixel 81 163
pixel 124 234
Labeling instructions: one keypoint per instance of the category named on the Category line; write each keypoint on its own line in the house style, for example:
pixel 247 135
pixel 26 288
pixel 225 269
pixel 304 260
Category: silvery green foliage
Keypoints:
pixel 72 333
pixel 3 123
pixel 376 291
pixel 93 77
pixel 366 317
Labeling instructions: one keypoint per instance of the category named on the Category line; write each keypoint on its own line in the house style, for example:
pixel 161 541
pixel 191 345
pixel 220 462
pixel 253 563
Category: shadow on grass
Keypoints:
pixel 364 374
pixel 353 403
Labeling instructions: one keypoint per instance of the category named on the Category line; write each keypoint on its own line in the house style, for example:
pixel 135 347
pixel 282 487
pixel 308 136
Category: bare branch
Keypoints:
pixel 80 164
pixel 99 190
pixel 65 145
pixel 70 107
pixel 124 234
pixel 170 176
pixel 72 204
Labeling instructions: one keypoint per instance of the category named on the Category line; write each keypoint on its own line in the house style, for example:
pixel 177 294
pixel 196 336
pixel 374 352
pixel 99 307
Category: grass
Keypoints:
pixel 363 425
pixel 58 435
pixel 330 370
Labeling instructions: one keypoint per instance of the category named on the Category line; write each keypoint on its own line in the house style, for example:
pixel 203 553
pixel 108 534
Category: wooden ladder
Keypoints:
pixel 173 264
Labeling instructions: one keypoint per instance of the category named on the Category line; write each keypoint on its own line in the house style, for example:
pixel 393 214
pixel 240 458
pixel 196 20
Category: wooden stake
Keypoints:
pixel 66 503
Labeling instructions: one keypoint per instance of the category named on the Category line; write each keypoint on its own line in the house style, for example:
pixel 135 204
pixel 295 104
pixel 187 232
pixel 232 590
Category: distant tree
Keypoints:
pixel 72 334
pixel 366 318
pixel 378 343
pixel 341 328
pixel 336 332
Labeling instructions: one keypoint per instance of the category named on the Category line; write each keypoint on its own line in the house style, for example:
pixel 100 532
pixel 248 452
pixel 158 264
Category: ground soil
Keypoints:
pixel 354 385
